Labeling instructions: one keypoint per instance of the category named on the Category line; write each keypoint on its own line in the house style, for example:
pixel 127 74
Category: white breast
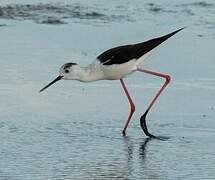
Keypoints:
pixel 118 71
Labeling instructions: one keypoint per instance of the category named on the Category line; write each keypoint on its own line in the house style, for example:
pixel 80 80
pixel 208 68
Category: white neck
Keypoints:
pixel 87 74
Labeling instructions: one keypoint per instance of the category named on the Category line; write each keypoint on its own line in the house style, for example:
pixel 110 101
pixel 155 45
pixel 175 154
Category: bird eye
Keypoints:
pixel 66 71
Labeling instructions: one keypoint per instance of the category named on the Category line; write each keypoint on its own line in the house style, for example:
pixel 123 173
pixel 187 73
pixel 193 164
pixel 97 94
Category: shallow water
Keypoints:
pixel 73 130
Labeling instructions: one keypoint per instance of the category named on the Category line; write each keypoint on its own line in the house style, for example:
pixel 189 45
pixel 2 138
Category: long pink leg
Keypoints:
pixel 131 105
pixel 143 117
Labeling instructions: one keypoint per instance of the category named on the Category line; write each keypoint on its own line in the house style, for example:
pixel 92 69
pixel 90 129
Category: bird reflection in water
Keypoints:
pixel 143 147
pixel 130 147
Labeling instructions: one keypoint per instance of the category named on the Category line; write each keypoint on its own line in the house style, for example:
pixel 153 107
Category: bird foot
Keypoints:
pixel 144 126
pixel 124 133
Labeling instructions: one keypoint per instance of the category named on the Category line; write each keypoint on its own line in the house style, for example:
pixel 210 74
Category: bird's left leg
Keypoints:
pixel 143 117
pixel 131 105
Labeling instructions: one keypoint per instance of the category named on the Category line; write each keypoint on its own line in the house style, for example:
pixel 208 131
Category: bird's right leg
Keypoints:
pixel 131 105
pixel 143 117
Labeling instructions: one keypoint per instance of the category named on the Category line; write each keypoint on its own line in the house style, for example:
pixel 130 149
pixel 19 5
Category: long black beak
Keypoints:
pixel 57 79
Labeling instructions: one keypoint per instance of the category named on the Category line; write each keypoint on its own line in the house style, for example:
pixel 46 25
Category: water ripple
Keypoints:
pixel 57 13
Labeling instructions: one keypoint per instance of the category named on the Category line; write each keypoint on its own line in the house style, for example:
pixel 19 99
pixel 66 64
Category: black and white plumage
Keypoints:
pixel 123 54
pixel 115 64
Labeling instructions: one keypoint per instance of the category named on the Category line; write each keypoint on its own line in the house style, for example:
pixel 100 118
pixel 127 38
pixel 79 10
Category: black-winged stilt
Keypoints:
pixel 115 64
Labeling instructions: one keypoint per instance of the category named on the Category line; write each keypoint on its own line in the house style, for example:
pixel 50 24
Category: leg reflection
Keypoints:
pixel 143 148
pixel 129 147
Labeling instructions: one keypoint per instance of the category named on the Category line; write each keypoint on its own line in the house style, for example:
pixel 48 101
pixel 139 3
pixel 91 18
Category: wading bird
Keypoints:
pixel 115 64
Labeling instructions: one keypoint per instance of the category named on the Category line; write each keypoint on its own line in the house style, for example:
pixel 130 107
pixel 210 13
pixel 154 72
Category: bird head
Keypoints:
pixel 67 71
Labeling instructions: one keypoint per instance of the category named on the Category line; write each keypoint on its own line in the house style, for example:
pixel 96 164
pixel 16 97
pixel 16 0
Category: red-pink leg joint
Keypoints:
pixel 132 106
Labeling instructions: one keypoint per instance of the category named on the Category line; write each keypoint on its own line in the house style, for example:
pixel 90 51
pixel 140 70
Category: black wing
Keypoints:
pixel 123 54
